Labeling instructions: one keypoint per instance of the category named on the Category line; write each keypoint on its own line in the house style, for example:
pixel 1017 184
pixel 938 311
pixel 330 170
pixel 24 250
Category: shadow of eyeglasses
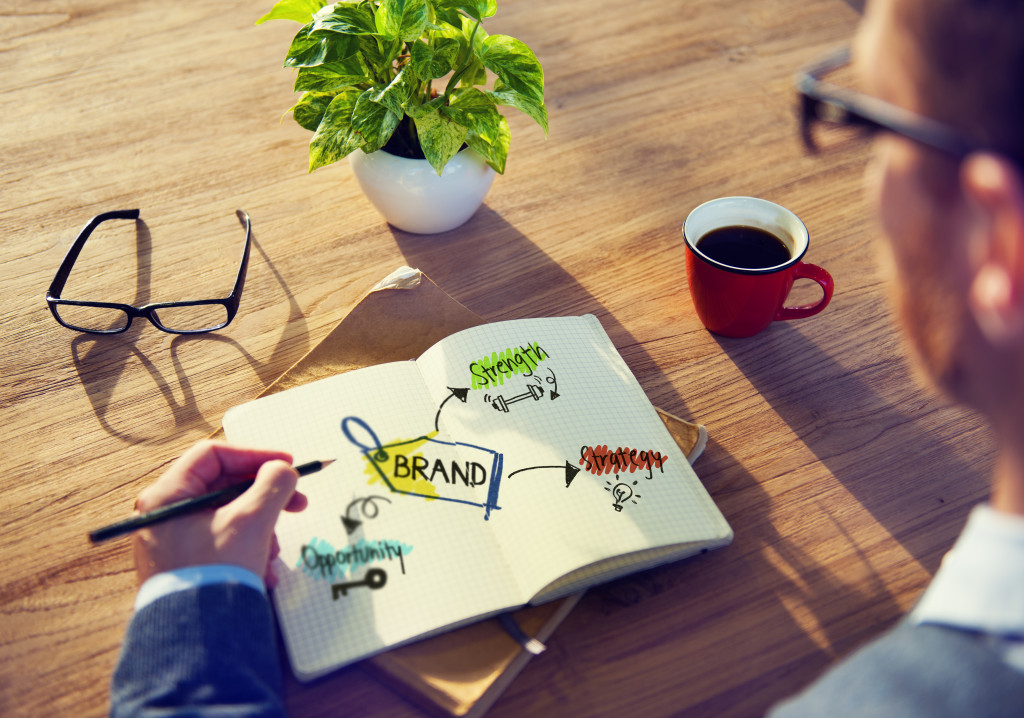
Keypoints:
pixel 105 362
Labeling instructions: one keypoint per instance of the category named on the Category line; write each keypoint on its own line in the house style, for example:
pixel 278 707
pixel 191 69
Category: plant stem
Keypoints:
pixel 465 66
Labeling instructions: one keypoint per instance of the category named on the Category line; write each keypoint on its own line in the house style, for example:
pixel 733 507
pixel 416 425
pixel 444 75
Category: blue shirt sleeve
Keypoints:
pixel 168 582
pixel 201 643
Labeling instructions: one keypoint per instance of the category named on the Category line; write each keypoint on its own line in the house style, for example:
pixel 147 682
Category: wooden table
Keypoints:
pixel 844 481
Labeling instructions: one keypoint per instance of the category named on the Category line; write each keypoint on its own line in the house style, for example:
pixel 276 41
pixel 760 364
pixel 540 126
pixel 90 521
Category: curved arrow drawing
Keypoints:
pixel 460 394
pixel 366 504
pixel 553 392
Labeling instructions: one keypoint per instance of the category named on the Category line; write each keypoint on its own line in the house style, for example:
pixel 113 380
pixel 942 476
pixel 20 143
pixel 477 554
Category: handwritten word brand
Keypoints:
pixel 404 468
pixel 416 467
pixel 599 460
pixel 494 370
pixel 320 560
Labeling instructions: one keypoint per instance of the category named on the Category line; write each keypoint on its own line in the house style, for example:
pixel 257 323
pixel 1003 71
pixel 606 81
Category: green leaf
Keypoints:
pixel 353 121
pixel 310 109
pixel 300 11
pixel 503 95
pixel 402 19
pixel 433 62
pixel 488 132
pixel 373 122
pixel 421 59
pixel 333 76
pixel 476 9
pixel 309 49
pixel 345 18
pixel 335 136
pixel 440 137
pixel 375 56
pixel 516 65
pixel 306 49
pixel 474 74
pixel 475 111
pixel 494 153
pixel 397 93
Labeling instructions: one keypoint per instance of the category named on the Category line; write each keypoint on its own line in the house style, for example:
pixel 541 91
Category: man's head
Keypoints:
pixel 972 63
pixel 955 228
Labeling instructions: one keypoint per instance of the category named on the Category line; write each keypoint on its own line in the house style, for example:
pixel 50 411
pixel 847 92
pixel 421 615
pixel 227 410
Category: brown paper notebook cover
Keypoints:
pixel 461 672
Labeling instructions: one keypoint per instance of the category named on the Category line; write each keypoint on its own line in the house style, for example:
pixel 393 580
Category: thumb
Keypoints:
pixel 271 491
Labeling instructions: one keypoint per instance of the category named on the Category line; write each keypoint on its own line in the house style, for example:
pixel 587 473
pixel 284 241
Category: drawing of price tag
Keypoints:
pixel 431 468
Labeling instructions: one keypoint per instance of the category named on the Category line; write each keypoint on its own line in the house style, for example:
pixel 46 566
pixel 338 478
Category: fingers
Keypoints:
pixel 240 533
pixel 298 502
pixel 210 460
pixel 204 467
pixel 271 492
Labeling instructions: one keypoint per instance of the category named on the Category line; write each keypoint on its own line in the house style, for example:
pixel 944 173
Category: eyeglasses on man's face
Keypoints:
pixel 188 317
pixel 832 116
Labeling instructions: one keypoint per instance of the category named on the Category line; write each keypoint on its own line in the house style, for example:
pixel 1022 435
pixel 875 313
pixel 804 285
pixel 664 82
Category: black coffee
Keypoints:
pixel 744 247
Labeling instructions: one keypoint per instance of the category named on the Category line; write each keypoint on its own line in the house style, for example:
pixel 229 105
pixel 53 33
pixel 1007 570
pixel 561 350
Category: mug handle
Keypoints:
pixel 816 274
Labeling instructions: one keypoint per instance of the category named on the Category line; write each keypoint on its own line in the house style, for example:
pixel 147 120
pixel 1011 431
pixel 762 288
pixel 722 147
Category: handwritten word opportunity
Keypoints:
pixel 494 370
pixel 599 460
pixel 320 560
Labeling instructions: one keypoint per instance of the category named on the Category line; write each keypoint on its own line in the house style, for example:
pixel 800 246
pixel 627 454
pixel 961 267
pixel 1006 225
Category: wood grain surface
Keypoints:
pixel 844 480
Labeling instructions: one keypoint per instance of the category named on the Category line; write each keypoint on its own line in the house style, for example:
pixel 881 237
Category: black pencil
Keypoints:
pixel 189 506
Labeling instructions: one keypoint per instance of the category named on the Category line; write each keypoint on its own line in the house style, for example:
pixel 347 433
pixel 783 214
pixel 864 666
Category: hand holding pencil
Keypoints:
pixel 240 533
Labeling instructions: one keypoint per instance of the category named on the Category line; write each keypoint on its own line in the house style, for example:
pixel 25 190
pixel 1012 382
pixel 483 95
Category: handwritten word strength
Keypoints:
pixel 599 460
pixel 494 370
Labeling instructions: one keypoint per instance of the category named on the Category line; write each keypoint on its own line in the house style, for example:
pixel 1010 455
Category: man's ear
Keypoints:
pixel 994 187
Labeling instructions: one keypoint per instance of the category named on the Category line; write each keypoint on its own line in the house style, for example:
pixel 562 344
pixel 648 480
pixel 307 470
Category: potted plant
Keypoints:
pixel 402 86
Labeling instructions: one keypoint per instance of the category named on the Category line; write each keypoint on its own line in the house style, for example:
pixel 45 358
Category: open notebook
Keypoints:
pixel 511 463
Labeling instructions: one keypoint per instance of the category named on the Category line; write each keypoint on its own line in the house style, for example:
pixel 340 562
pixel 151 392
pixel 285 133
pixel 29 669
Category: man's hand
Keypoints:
pixel 239 533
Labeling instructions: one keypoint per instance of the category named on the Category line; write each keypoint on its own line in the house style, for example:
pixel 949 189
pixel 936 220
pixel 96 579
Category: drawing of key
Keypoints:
pixel 374 578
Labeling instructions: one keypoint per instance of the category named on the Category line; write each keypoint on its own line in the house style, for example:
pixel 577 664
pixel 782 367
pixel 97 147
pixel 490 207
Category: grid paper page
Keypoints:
pixel 416 562
pixel 507 456
pixel 566 398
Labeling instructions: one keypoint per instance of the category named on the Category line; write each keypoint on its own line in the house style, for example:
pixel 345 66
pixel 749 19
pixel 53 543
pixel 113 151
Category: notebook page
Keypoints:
pixel 371 564
pixel 589 470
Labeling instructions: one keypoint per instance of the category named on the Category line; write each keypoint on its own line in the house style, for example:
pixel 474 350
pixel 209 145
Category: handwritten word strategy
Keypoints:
pixel 494 370
pixel 599 460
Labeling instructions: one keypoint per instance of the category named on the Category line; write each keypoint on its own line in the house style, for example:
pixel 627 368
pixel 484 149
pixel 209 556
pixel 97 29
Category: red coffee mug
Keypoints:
pixel 737 301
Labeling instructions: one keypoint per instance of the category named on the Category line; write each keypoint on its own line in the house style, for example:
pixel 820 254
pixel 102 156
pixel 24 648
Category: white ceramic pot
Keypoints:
pixel 411 195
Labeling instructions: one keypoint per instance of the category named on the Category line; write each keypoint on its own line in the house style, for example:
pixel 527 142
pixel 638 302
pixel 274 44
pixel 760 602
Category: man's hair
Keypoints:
pixel 974 53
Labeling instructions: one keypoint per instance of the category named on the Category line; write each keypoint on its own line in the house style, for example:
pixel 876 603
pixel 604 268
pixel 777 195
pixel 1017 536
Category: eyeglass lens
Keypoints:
pixel 831 131
pixel 195 318
pixel 93 319
pixel 830 128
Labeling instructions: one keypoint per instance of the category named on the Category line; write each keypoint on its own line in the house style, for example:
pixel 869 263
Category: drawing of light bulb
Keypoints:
pixel 621 493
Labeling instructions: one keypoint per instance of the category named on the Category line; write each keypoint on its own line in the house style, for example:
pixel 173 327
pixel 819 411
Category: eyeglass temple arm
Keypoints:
pixel 57 286
pixel 243 265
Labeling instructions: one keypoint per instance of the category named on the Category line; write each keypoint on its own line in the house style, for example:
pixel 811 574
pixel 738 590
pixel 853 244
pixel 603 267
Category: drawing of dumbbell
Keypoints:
pixel 533 392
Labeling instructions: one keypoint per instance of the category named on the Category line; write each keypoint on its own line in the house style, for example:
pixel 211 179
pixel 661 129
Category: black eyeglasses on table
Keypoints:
pixel 188 317
pixel 828 113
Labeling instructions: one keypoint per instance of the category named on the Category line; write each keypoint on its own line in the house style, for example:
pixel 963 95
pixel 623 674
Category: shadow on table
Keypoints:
pixel 785 636
pixel 103 361
pixel 499 273
pixel 887 459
